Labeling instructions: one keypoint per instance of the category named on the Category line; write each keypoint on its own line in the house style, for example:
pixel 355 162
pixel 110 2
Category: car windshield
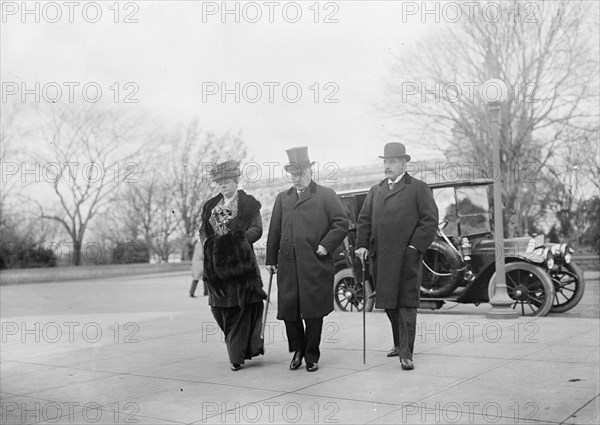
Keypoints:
pixel 472 216
pixel 446 202
pixel 473 210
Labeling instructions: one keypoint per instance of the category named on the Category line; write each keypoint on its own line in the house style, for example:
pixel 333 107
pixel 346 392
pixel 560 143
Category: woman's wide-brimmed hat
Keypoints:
pixel 298 158
pixel 226 170
pixel 394 150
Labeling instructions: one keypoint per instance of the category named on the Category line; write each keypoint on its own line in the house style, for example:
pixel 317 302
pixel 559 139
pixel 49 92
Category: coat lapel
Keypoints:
pixel 307 194
pixel 290 199
pixel 401 185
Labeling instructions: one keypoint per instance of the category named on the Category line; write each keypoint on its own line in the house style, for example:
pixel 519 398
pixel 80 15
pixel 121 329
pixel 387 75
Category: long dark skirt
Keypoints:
pixel 242 330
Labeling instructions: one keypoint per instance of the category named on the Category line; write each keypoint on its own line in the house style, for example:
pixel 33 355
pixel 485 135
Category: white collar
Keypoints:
pixel 230 200
pixel 397 179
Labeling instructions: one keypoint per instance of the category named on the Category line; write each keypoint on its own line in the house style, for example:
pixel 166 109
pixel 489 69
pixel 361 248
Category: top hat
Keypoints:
pixel 299 161
pixel 226 170
pixel 395 150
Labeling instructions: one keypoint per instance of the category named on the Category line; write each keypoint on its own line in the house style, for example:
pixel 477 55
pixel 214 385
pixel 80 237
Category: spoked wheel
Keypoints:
pixel 529 286
pixel 442 268
pixel 568 287
pixel 349 295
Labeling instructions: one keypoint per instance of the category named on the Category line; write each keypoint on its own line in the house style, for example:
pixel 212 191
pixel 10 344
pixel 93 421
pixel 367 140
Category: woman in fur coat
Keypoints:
pixel 231 223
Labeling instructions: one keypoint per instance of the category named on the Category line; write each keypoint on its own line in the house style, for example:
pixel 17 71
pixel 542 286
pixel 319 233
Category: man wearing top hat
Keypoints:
pixel 307 224
pixel 396 225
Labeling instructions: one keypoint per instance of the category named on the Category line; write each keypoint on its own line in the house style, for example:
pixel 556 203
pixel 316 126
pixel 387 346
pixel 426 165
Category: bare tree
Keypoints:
pixel 21 230
pixel 570 174
pixel 590 160
pixel 164 208
pixel 192 154
pixel 10 135
pixel 550 63
pixel 87 153
pixel 165 223
pixel 148 212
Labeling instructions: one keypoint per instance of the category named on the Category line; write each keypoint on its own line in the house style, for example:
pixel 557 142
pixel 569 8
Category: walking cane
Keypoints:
pixel 364 283
pixel 350 263
pixel 262 332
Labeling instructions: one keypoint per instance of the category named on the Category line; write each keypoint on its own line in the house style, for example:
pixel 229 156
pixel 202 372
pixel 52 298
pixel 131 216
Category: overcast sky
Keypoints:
pixel 179 50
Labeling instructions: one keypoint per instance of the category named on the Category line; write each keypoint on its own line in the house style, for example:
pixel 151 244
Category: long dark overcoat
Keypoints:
pixel 388 223
pixel 298 226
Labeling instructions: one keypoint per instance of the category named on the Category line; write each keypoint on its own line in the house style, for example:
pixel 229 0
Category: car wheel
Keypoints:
pixel 349 295
pixel 442 270
pixel 569 286
pixel 529 286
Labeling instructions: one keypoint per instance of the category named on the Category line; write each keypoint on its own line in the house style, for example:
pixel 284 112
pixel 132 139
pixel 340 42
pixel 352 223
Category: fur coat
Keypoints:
pixel 230 268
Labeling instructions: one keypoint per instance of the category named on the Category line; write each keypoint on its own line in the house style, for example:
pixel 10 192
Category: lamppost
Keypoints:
pixel 501 302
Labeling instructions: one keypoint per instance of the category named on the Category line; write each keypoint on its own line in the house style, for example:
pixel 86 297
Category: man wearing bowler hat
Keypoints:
pixel 396 225
pixel 307 224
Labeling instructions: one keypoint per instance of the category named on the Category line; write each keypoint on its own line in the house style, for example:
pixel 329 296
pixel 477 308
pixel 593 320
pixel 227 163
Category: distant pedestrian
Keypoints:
pixel 396 225
pixel 307 225
pixel 231 223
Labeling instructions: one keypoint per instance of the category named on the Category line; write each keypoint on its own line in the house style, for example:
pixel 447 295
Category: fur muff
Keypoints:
pixel 233 256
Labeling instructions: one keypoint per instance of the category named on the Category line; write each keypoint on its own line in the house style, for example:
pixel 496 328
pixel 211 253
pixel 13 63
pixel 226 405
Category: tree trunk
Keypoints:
pixel 76 252
pixel 188 251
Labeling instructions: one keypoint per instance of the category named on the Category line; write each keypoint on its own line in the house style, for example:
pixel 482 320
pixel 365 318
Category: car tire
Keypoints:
pixel 442 270
pixel 529 286
pixel 569 287
pixel 348 294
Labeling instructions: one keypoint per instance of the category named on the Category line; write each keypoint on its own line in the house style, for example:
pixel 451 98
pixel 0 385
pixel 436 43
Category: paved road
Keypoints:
pixel 108 351
pixel 164 293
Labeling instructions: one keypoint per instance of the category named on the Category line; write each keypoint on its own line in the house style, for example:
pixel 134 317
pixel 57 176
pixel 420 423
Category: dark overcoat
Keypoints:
pixel 298 226
pixel 388 223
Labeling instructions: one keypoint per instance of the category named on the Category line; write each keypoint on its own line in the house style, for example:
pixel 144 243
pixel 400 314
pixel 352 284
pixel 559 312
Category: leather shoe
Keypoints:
pixel 235 367
pixel 296 361
pixel 393 352
pixel 312 367
pixel 407 364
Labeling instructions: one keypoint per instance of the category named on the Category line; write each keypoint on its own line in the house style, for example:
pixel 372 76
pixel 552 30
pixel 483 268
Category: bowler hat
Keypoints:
pixel 226 170
pixel 299 161
pixel 395 150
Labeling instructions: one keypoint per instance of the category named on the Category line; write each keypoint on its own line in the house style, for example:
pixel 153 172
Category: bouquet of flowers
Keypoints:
pixel 222 216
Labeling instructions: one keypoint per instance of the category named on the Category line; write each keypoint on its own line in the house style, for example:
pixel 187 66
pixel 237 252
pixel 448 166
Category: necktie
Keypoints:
pixel 391 185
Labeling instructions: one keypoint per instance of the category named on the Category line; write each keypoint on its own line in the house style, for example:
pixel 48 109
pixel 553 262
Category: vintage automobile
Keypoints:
pixel 459 266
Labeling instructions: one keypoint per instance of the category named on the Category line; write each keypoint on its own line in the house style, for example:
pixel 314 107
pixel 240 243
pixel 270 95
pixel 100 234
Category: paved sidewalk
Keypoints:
pixel 138 350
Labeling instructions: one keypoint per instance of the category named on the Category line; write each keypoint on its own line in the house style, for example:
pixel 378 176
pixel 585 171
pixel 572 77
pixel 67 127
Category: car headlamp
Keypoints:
pixel 566 253
pixel 549 257
pixel 465 248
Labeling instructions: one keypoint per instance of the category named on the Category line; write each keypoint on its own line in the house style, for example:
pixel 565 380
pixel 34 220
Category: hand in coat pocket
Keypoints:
pixel 321 251
pixel 412 250
pixel 411 264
